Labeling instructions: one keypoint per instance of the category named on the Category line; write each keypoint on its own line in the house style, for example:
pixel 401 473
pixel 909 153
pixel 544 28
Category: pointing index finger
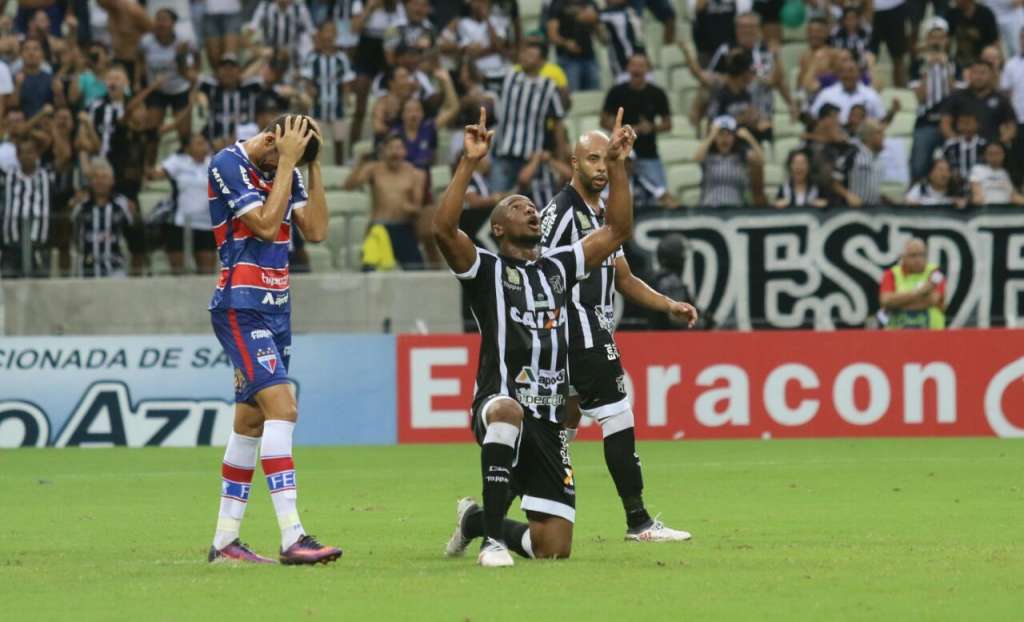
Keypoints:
pixel 483 118
pixel 618 121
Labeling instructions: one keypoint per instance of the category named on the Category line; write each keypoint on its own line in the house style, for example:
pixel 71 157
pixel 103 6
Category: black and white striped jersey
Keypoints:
pixel 524 107
pixel 282 27
pixel 105 114
pixel 520 309
pixel 328 73
pixel 567 220
pixel 99 231
pixel 27 203
pixel 625 36
pixel 229 108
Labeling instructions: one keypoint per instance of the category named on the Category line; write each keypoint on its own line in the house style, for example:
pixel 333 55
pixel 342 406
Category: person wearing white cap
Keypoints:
pixel 933 76
pixel 729 168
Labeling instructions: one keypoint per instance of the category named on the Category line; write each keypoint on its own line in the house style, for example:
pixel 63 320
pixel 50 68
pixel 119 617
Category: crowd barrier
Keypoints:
pixel 384 389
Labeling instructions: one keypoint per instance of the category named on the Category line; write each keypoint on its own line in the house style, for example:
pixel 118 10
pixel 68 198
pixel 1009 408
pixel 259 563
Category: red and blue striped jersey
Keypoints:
pixel 254 273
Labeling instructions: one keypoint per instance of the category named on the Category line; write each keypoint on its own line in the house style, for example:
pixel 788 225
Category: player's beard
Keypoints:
pixel 528 240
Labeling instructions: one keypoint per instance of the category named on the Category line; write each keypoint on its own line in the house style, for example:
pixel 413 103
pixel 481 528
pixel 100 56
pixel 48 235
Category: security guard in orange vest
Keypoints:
pixel 912 293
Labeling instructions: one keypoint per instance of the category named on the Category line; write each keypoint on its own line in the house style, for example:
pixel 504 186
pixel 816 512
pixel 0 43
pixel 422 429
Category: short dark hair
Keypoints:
pixel 312 147
pixel 738 62
pixel 171 12
pixel 390 136
pixel 827 110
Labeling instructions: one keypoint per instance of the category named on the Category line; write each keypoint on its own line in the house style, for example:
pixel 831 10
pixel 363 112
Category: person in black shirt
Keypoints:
pixel 714 24
pixel 519 298
pixel 571 27
pixel 594 365
pixel 671 252
pixel 972 27
pixel 996 118
pixel 647 111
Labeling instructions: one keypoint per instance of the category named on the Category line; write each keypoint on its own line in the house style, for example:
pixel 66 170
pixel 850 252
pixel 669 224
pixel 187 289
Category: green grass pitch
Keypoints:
pixel 783 530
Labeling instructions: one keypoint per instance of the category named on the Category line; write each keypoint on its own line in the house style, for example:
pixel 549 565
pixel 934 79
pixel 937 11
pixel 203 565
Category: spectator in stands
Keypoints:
pixel 417 32
pixel 87 84
pixel 221 24
pixel 972 27
pixel 858 114
pixel 1008 17
pixel 714 25
pixel 478 194
pixel 964 150
pixel 397 188
pixel 664 12
pixel 848 92
pixel 644 106
pixel 171 64
pixel 889 26
pixel 387 110
pixel 861 172
pixel 229 101
pixel 549 70
pixel 990 182
pixel 623 36
pixel 799 189
pixel 732 96
pixel 481 38
pixel 188 173
pixel 25 214
pixel 542 177
pixel 127 22
pixel 937 189
pixel 377 18
pixel 34 85
pixel 827 145
pixel 1012 83
pixel 571 26
pixel 996 119
pixel 341 13
pixel 101 219
pixel 521 130
pixel 328 78
pixel 409 58
pixel 507 12
pixel 730 169
pixel 283 26
pixel 933 76
pixel 854 36
pixel 912 293
pixel 419 132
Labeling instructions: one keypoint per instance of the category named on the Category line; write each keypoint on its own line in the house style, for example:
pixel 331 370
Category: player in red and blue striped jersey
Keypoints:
pixel 256 194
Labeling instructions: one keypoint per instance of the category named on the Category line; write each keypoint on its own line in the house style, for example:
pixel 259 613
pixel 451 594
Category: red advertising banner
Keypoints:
pixel 761 385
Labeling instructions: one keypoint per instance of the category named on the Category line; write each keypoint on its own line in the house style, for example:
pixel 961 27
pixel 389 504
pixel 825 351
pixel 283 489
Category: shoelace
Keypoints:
pixel 657 525
pixel 308 541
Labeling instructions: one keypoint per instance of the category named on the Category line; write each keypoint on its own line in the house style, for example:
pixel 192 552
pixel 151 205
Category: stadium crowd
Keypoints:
pixel 111 110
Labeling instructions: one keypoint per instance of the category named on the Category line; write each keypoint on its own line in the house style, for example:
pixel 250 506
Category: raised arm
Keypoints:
pixel 458 250
pixel 290 141
pixel 312 219
pixel 618 226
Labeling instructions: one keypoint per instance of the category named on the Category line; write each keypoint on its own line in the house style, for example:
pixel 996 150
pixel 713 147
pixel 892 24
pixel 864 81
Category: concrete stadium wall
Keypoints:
pixel 349 303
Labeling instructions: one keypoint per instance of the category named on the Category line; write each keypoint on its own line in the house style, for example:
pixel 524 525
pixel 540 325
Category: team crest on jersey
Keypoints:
pixel 267 359
pixel 557 284
pixel 585 224
pixel 512 275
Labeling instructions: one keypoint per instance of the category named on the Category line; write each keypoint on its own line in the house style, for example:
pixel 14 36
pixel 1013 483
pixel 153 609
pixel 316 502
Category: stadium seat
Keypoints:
pixel 321 257
pixel 344 201
pixel 782 148
pixel 908 99
pixel 587 124
pixel 902 125
pixel 784 127
pixel 790 54
pixel 677 149
pixel 363 146
pixel 893 191
pixel 773 176
pixel 682 177
pixel 440 176
pixel 148 200
pixel 334 176
pixel 587 103
pixel 681 127
pixel 680 78
pixel 691 198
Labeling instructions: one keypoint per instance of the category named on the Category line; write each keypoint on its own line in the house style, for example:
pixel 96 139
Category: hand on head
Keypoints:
pixel 292 138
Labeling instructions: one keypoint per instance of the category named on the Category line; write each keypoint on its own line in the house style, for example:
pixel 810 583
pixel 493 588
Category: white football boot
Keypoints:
pixel 656 531
pixel 494 555
pixel 457 544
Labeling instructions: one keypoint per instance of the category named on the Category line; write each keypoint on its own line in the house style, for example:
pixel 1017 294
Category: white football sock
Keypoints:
pixel 236 481
pixel 276 457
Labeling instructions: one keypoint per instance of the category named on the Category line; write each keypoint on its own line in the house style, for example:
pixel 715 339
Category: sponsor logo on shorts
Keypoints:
pixel 612 351
pixel 540 320
pixel 620 383
pixel 605 319
pixel 267 359
pixel 269 299
pixel 543 377
pixel 526 398
pixel 569 480
pixel 261 333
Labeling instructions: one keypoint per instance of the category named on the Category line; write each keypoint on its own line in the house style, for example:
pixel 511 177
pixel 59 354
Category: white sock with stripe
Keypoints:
pixel 236 481
pixel 280 471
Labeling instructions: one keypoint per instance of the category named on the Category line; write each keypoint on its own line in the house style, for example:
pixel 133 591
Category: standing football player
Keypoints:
pixel 597 377
pixel 519 298
pixel 256 193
